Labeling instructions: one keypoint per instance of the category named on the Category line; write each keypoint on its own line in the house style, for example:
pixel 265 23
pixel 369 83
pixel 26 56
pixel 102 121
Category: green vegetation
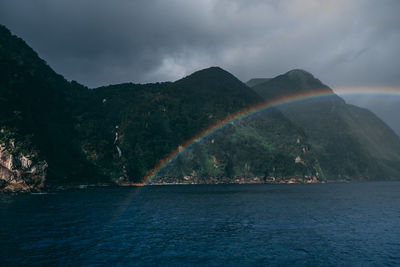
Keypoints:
pixel 154 119
pixel 37 107
pixel 118 133
pixel 350 142
pixel 264 145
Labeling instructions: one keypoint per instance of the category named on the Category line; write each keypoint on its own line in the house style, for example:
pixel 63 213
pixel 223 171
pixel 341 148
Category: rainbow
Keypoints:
pixel 261 107
pixel 368 91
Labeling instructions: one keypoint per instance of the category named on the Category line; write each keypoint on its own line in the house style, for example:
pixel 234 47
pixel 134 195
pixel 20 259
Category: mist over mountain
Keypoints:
pixel 385 107
pixel 349 141
pixel 55 132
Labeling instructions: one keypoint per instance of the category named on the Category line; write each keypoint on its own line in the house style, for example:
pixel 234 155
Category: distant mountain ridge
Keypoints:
pixel 255 81
pixel 350 142
pixel 116 134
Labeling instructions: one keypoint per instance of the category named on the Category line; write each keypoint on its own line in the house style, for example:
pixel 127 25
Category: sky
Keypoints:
pixel 100 42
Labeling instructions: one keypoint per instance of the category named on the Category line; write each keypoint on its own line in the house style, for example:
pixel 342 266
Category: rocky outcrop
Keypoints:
pixel 19 173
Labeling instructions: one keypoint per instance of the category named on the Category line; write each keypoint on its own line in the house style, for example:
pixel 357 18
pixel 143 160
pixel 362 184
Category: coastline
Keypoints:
pixel 58 188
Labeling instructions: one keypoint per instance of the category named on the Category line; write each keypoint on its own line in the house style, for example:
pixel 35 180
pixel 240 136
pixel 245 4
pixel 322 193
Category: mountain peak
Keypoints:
pixel 211 72
pixel 210 76
pixel 302 80
pixel 289 83
pixel 296 78
pixel 299 74
pixel 215 82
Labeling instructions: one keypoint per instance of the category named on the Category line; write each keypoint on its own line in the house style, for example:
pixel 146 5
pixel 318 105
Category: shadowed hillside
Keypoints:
pixel 350 142
pixel 55 132
pixel 118 133
pixel 36 114
pixel 155 119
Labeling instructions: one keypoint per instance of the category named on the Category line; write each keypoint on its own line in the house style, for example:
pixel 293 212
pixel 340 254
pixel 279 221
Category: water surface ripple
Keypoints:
pixel 316 224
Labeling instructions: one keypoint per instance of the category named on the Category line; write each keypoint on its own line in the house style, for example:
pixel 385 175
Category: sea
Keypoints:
pixel 332 224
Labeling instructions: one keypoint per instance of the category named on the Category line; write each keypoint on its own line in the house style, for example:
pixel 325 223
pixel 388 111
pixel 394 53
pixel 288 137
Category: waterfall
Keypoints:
pixel 116 142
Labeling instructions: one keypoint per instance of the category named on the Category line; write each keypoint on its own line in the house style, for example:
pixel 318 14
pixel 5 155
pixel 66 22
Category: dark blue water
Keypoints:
pixel 317 224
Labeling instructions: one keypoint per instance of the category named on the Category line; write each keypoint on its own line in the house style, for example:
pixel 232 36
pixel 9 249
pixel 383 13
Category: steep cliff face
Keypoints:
pixel 19 172
pixel 37 106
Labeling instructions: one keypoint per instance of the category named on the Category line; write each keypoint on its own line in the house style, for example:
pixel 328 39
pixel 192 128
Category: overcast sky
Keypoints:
pixel 99 42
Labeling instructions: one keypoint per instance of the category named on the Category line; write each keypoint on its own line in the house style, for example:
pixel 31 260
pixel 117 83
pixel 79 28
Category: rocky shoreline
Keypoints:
pixel 239 180
pixel 20 173
pixel 17 187
pixel 23 173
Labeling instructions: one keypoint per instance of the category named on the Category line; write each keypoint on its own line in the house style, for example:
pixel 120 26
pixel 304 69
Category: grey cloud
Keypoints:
pixel 98 42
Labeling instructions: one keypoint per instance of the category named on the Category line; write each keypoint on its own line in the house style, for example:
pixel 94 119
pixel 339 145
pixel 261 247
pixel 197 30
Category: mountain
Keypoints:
pixel 36 119
pixel 55 132
pixel 147 122
pixel 59 133
pixel 350 142
pixel 154 119
pixel 385 107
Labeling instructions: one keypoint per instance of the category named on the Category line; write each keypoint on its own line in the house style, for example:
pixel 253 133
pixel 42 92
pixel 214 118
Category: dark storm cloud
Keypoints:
pixel 97 42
